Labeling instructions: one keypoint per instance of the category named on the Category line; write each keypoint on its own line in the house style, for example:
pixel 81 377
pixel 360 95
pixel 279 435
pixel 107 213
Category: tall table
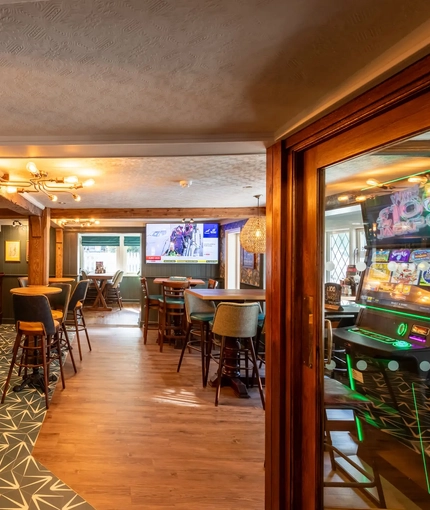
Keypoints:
pixel 35 379
pixel 232 377
pixel 193 281
pixel 100 281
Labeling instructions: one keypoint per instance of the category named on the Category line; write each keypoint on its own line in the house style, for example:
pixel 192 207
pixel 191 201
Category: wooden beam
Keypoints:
pixel 59 252
pixel 415 148
pixel 160 213
pixel 18 204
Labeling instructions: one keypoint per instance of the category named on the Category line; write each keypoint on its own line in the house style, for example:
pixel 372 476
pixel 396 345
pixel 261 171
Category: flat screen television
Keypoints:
pixel 183 243
pixel 398 218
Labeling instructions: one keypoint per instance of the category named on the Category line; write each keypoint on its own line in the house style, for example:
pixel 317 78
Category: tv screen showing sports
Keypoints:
pixel 183 243
pixel 398 218
pixel 397 278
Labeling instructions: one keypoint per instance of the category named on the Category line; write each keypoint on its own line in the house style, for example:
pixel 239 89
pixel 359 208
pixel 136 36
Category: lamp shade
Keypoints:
pixel 253 235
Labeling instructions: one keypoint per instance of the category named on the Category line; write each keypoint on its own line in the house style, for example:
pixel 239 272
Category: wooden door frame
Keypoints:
pixel 395 109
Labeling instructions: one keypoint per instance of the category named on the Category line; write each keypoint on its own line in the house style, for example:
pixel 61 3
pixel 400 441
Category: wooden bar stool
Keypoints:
pixel 199 313
pixel 75 319
pixel 172 313
pixel 37 344
pixel 339 396
pixel 150 302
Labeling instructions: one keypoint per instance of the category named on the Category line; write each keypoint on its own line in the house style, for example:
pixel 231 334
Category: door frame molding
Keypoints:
pixel 395 109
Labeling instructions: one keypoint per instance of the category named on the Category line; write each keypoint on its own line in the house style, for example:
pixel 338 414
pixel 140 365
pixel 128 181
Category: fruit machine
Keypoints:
pixel 388 348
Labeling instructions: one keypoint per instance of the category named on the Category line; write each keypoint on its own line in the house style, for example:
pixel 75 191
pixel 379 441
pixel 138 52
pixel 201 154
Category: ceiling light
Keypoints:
pixel 253 234
pixel 360 198
pixel 88 182
pixel 16 223
pixel 343 198
pixel 185 184
pixel 78 222
pixel 40 182
pixel 373 182
pixel 419 179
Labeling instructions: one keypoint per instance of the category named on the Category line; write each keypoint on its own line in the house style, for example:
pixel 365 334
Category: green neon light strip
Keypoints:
pixel 352 384
pixel 404 314
pixel 396 180
pixel 421 439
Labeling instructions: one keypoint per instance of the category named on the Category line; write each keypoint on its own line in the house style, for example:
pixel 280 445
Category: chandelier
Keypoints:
pixel 253 234
pixel 40 182
pixel 78 222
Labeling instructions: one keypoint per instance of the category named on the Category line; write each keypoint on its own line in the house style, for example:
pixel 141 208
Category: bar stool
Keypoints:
pixel 75 319
pixel 199 313
pixel 112 290
pixel 172 312
pixel 213 284
pixel 37 343
pixel 150 302
pixel 236 324
pixel 59 305
pixel 339 396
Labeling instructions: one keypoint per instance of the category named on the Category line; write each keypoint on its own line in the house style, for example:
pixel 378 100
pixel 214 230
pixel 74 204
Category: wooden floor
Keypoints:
pixel 129 432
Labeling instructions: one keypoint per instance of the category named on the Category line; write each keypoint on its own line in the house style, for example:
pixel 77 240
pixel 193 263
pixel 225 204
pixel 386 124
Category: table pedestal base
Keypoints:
pixel 239 388
pixel 34 380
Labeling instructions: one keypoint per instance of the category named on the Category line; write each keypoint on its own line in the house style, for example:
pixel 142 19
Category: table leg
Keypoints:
pixel 100 302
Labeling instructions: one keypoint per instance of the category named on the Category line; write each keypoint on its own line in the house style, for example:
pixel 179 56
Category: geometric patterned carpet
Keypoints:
pixel 24 483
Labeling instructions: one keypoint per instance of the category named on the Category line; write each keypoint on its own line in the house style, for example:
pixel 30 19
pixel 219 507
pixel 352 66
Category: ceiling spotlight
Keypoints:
pixel 77 198
pixel 185 184
pixel 360 198
pixel 418 179
pixel 373 182
pixel 343 198
pixel 16 223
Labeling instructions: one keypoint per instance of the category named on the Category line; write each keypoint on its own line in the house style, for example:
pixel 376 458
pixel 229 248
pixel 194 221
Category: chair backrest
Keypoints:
pixel 117 279
pixel 61 300
pixel 23 281
pixel 144 285
pixel 84 275
pixel 33 309
pixel 194 304
pixel 175 290
pixel 213 284
pixel 79 294
pixel 239 320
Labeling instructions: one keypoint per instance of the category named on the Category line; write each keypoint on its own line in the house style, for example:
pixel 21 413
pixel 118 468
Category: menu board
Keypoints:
pixel 333 296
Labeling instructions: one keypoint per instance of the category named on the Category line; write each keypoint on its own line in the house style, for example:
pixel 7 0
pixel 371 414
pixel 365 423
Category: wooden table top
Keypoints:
pixel 229 294
pixel 61 279
pixel 193 281
pixel 100 276
pixel 33 290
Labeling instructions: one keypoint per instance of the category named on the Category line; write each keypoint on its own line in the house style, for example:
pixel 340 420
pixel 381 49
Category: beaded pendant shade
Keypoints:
pixel 253 234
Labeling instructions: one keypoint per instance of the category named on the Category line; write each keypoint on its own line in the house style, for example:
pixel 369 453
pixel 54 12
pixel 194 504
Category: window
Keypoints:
pixel 339 253
pixel 116 251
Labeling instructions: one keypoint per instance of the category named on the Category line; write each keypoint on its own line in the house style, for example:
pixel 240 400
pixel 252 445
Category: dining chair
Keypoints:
pixel 75 319
pixel 172 313
pixel 91 291
pixel 37 343
pixel 23 281
pixel 199 313
pixel 112 290
pixel 213 284
pixel 59 305
pixel 236 324
pixel 149 302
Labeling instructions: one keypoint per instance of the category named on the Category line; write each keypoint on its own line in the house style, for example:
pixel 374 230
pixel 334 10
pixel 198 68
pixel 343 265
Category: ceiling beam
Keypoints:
pixel 18 205
pixel 159 213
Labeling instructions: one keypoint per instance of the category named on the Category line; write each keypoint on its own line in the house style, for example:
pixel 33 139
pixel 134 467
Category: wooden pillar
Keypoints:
pixel 38 253
pixel 59 252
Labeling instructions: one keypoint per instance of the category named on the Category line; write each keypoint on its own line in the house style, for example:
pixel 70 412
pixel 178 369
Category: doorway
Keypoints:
pixel 233 259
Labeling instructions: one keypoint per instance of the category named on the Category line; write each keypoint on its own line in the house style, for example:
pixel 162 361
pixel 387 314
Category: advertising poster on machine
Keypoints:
pixel 184 243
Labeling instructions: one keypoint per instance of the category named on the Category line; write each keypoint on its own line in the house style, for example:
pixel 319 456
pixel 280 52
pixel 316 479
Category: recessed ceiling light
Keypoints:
pixel 246 187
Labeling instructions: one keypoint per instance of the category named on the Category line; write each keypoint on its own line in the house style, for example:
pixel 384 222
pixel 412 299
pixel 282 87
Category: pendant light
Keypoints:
pixel 253 234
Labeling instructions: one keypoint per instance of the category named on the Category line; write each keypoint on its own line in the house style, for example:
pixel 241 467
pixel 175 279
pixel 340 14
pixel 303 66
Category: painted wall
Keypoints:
pixel 248 277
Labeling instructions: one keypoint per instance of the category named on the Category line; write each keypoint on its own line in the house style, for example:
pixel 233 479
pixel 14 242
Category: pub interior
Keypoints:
pixel 168 354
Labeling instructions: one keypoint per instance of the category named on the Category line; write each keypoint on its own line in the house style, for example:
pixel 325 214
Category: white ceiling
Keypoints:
pixel 145 93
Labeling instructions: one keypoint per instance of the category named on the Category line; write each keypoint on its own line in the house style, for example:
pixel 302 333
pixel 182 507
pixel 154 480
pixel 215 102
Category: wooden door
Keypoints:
pixel 392 111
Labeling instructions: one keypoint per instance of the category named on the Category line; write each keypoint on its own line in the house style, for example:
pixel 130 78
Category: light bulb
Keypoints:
pixel 31 167
pixel 54 198
pixel 88 182
pixel 11 189
pixel 343 198
pixel 77 198
pixel 97 222
pixel 360 198
pixel 72 179
pixel 373 182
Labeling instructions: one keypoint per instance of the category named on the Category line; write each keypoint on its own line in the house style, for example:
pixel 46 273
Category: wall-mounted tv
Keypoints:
pixel 184 243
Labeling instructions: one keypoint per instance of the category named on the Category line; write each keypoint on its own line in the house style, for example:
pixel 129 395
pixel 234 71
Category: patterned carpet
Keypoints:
pixel 24 483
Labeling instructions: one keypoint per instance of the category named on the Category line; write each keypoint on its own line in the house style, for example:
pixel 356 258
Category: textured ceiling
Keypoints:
pixel 122 70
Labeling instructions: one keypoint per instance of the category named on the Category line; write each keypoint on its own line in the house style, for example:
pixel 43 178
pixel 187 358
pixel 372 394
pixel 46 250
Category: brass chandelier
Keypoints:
pixel 40 182
pixel 253 234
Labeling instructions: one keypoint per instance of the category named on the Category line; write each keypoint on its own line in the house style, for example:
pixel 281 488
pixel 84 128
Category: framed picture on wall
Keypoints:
pixel 12 251
pixel 248 260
